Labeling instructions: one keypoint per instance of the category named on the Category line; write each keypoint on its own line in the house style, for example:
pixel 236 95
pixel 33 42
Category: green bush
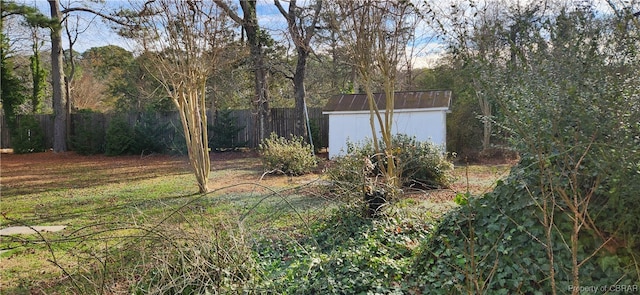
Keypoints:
pixel 496 244
pixel 120 137
pixel 28 138
pixel 88 133
pixel 149 135
pixel 288 156
pixel 422 164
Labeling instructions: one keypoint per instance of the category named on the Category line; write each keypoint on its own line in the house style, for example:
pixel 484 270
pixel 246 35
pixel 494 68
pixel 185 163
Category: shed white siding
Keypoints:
pixel 353 126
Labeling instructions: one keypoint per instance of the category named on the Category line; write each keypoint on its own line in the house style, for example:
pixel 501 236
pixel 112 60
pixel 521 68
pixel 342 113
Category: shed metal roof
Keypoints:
pixel 403 100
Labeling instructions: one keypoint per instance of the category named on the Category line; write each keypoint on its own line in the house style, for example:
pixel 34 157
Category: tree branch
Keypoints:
pixel 284 71
pixel 230 12
pixel 89 10
pixel 316 17
pixel 281 9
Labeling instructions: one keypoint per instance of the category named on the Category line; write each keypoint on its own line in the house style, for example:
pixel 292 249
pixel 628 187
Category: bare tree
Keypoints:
pixel 182 39
pixel 89 93
pixel 302 23
pixel 70 75
pixel 377 33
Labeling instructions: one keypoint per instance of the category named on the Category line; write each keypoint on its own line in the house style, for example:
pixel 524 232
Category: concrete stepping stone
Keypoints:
pixel 17 230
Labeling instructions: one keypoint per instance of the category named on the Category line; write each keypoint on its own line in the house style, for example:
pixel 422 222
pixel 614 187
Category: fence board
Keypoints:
pixel 282 123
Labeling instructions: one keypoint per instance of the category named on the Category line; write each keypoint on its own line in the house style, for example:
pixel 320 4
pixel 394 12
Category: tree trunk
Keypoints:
pixel 301 34
pixel 68 80
pixel 299 128
pixel 485 109
pixel 261 100
pixel 57 81
pixel 191 106
pixel 249 23
pixel 486 135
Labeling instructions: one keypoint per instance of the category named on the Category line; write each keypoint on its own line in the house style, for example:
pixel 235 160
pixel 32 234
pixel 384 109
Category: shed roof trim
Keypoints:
pixel 403 100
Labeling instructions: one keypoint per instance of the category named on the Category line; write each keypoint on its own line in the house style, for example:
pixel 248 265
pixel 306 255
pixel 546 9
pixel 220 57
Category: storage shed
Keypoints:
pixel 417 113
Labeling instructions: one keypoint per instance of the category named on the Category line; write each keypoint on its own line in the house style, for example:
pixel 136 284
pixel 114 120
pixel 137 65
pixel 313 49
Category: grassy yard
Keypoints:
pixel 124 215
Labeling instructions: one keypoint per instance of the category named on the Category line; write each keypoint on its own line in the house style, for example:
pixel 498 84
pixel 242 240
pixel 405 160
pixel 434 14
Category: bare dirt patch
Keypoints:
pixel 48 171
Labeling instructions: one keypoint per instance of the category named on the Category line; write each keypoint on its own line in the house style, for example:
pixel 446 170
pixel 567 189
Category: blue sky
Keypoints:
pixel 96 32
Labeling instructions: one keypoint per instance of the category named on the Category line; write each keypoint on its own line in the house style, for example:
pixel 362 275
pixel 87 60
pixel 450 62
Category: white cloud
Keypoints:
pixel 427 55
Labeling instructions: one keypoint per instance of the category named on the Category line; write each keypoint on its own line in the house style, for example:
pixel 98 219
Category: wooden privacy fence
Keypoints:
pixel 282 123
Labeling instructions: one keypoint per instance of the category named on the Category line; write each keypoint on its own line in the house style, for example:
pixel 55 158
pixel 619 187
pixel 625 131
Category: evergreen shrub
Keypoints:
pixel 224 132
pixel 88 133
pixel 149 135
pixel 120 137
